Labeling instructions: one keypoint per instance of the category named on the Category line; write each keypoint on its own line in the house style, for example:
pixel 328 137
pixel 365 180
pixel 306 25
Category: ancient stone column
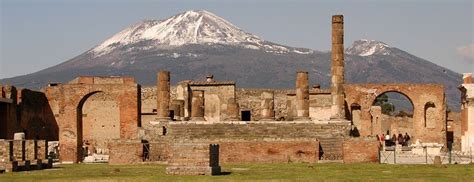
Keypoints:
pixel 197 105
pixel 267 106
pixel 232 110
pixel 302 96
pixel 163 95
pixel 337 68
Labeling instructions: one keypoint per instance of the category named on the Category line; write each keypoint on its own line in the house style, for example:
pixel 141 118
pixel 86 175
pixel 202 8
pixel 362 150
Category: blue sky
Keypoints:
pixel 38 34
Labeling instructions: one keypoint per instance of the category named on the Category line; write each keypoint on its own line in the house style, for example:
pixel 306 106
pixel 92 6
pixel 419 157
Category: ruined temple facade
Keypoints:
pixel 117 117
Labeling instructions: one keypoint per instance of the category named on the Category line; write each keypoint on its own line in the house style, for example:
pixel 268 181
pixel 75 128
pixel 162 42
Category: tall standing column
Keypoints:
pixel 337 68
pixel 197 105
pixel 163 95
pixel 302 96
pixel 267 106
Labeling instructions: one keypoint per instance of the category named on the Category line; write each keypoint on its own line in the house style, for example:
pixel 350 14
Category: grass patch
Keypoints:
pixel 246 172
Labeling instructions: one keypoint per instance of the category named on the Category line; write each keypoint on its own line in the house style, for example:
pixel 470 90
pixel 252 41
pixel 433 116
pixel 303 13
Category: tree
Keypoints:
pixel 382 101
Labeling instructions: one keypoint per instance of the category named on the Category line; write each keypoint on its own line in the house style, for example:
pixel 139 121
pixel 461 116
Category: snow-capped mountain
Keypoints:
pixel 193 44
pixel 365 47
pixel 190 27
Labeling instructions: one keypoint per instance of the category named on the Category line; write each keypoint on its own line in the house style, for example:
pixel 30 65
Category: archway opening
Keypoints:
pixel 392 114
pixel 98 123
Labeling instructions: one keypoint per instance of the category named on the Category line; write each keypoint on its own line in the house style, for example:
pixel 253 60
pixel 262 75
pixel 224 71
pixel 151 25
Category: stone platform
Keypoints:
pixel 194 159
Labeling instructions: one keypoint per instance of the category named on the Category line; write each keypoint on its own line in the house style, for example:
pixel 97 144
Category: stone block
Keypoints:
pixel 125 152
pixel 360 150
pixel 194 159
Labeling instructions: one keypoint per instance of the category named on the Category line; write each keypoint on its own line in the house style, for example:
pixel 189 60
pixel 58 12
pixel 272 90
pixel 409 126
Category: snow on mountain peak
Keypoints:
pixel 365 47
pixel 189 27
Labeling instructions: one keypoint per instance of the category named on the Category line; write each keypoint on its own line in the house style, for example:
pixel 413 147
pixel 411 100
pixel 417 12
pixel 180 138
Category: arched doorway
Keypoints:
pixel 98 117
pixel 392 112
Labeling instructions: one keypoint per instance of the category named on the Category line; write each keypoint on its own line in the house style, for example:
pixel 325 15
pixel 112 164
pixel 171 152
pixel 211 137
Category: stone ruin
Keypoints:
pixel 116 120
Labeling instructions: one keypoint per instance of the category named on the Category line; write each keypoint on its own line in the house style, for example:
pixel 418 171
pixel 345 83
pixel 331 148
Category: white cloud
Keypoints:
pixel 466 52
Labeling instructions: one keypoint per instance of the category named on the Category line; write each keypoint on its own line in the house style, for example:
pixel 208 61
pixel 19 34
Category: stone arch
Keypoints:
pixel 100 122
pixel 417 94
pixel 79 123
pixel 72 97
pixel 394 91
pixel 380 122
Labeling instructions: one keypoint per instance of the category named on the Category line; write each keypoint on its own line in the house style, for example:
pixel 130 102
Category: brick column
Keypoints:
pixel 302 96
pixel 267 106
pixel 337 68
pixel 163 95
pixel 197 105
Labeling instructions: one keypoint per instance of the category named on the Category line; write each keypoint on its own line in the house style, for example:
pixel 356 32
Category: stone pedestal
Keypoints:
pixel 337 68
pixel 194 159
pixel 267 106
pixel 197 105
pixel 302 96
pixel 163 96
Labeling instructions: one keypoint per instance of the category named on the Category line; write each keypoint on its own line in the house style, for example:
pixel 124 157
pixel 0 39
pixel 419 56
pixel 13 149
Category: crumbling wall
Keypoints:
pixel 101 122
pixel 23 110
pixel 215 100
pixel 433 131
pixel 361 150
pixel 36 117
pixel 70 98
pixel 250 99
pixel 284 151
pixel 454 129
pixel 125 152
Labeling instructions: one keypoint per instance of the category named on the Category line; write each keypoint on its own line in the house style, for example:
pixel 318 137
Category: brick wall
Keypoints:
pixel 360 150
pixel 269 151
pixel 194 159
pixel 125 152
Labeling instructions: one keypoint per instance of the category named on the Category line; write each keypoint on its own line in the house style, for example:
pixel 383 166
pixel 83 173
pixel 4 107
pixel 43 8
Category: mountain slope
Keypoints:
pixel 195 43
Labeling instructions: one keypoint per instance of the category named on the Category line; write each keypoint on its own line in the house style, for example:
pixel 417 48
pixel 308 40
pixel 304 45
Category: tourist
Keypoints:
pixel 400 139
pixel 387 139
pixel 406 138
pixel 394 139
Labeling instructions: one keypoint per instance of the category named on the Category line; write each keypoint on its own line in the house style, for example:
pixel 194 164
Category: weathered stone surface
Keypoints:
pixel 125 152
pixel 69 111
pixel 361 150
pixel 426 129
pixel 197 106
pixel 194 159
pixel 267 106
pixel 337 68
pixel 269 151
pixel 302 96
pixel 163 95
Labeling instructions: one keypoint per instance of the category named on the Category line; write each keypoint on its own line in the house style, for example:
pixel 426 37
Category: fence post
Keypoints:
pixel 426 154
pixel 395 155
pixel 380 156
pixel 449 150
pixel 470 151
